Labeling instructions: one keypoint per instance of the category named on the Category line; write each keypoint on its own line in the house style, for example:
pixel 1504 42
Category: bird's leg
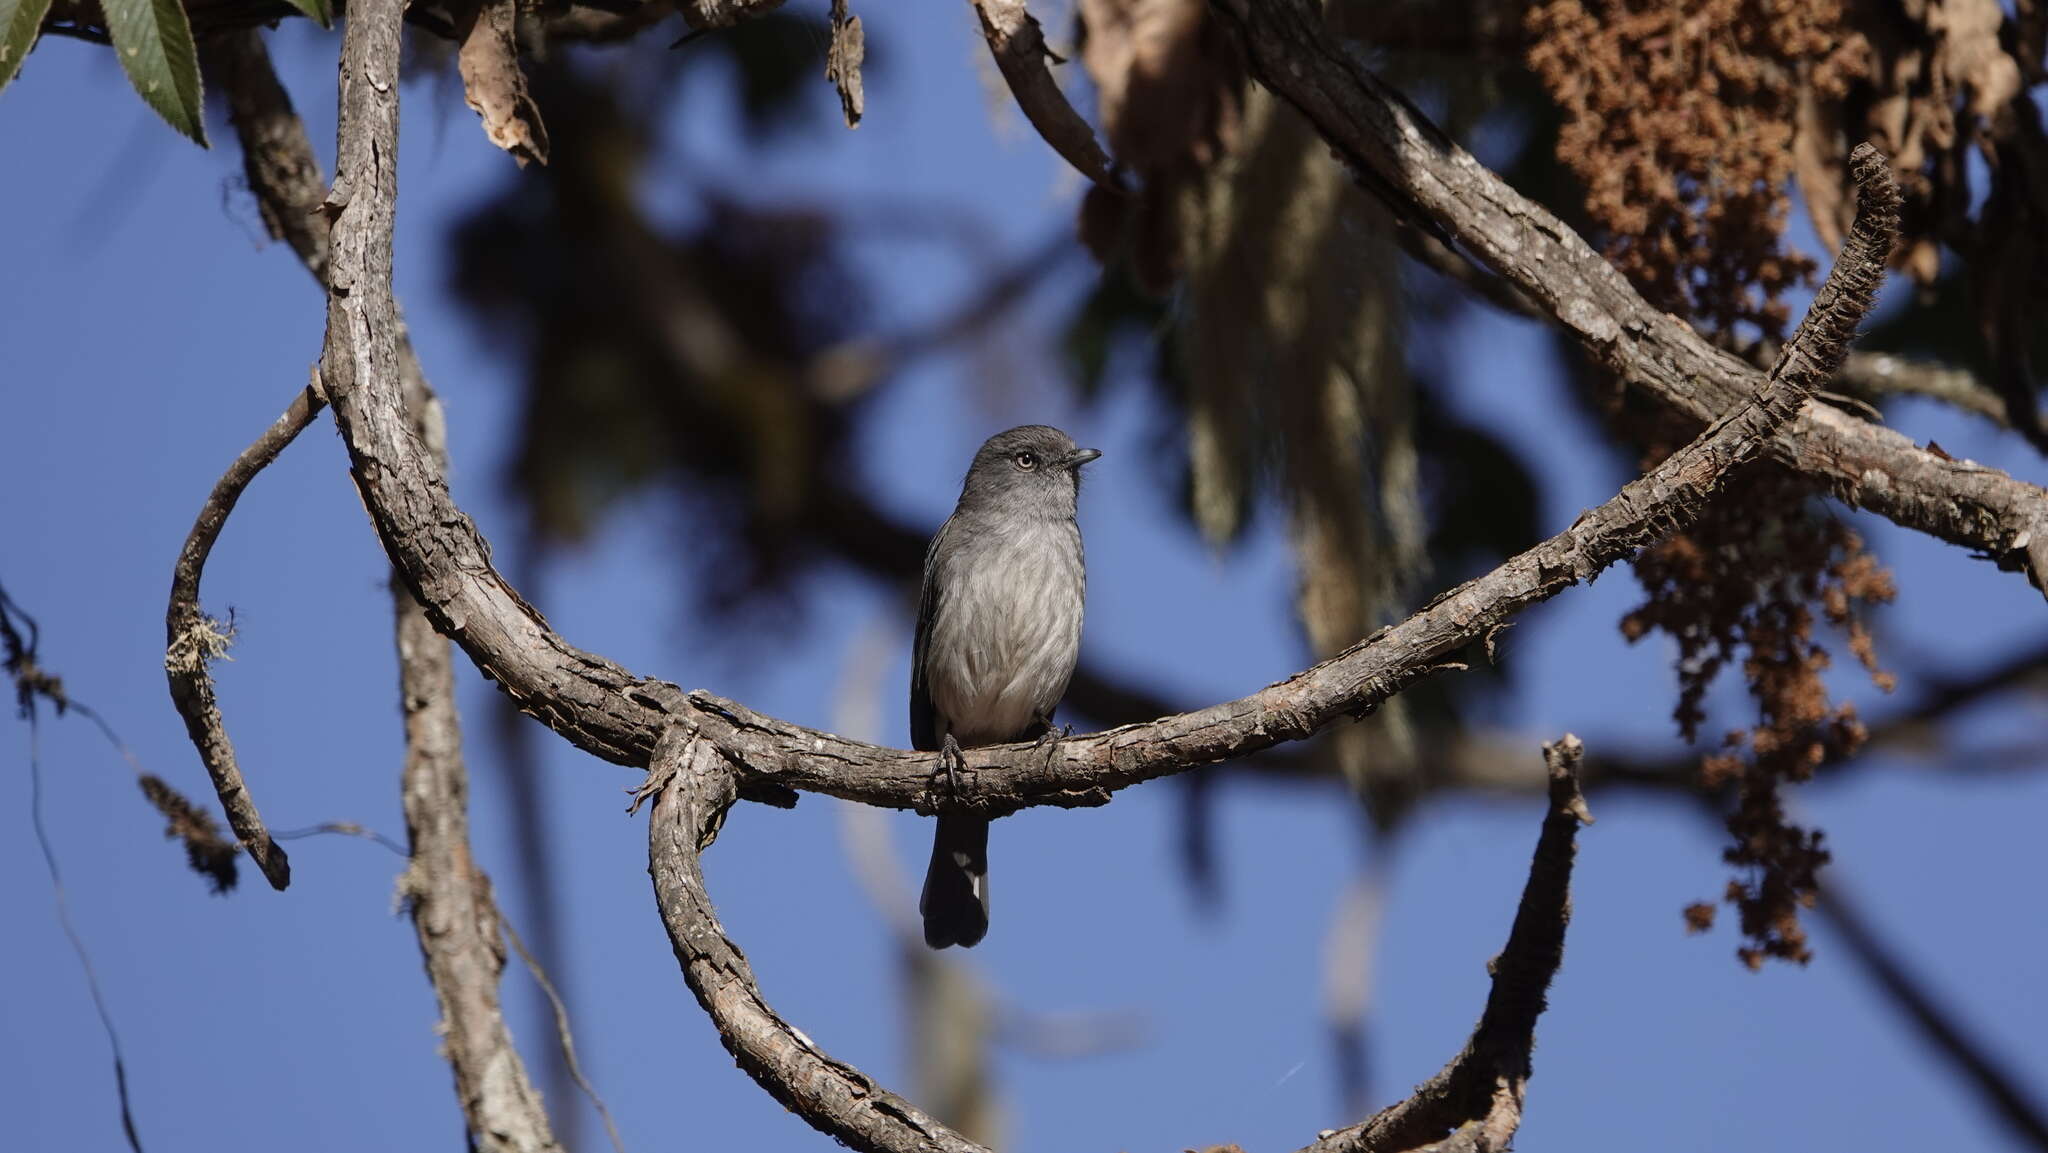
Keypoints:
pixel 951 761
pixel 1049 734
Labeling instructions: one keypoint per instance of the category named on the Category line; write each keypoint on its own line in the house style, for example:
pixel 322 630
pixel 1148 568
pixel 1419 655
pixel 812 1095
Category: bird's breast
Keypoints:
pixel 1007 631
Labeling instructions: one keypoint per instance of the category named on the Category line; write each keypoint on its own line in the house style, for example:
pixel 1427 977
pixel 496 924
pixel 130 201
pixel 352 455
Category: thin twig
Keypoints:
pixel 32 681
pixel 1885 374
pixel 63 902
pixel 453 910
pixel 342 829
pixel 563 1033
pixel 193 640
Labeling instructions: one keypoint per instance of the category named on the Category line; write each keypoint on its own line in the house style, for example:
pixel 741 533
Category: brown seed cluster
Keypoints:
pixel 1747 587
pixel 1699 917
pixel 210 855
pixel 1679 119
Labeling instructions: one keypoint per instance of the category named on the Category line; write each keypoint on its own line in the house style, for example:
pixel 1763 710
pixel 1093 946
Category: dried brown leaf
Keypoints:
pixel 843 60
pixel 1018 45
pixel 492 83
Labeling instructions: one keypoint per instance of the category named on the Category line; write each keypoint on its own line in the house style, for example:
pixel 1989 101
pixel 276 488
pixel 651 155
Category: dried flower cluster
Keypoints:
pixel 210 854
pixel 1749 584
pixel 1679 120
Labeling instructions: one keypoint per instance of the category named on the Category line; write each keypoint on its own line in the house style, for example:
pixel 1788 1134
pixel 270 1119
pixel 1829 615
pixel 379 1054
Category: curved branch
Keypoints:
pixel 1017 44
pixel 1427 179
pixel 280 166
pixel 193 640
pixel 1478 1094
pixel 612 713
pixel 692 787
pixel 1477 1097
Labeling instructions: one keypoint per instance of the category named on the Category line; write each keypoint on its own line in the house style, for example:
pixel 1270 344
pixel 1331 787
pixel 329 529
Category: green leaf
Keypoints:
pixel 20 20
pixel 322 11
pixel 153 42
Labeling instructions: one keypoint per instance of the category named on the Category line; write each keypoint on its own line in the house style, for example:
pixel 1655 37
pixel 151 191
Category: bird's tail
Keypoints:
pixel 955 900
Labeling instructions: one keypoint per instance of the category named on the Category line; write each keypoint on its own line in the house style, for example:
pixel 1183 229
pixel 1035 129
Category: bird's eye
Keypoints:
pixel 1027 460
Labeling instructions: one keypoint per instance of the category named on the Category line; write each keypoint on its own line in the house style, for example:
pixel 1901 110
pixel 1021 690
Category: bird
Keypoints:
pixel 998 632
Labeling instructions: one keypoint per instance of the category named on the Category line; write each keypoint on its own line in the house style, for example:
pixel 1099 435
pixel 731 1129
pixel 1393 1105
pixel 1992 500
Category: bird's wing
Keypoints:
pixel 924 727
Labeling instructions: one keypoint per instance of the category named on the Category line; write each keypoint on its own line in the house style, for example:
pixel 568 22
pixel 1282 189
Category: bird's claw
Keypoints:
pixel 951 762
pixel 1049 734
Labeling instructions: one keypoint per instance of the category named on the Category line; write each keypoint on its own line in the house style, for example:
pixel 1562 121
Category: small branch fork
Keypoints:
pixel 1477 1098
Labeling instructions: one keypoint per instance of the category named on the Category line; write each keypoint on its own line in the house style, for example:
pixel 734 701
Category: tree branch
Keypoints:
pixel 193 640
pixel 692 787
pixel 1479 1093
pixel 1427 179
pixel 1477 1097
pixel 1882 374
pixel 452 908
pixel 277 155
pixel 610 712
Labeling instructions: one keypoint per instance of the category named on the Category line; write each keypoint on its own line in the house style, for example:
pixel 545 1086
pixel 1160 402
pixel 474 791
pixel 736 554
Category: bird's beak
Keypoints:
pixel 1079 457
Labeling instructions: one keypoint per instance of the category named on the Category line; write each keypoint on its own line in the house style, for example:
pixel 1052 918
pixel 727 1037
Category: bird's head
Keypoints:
pixel 1034 468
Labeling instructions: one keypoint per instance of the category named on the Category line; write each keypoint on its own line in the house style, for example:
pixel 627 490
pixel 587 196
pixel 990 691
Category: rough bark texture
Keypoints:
pixel 452 908
pixel 692 787
pixel 192 641
pixel 1426 178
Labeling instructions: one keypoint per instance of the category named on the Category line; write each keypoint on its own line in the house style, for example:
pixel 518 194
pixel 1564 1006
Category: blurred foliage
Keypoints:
pixel 676 356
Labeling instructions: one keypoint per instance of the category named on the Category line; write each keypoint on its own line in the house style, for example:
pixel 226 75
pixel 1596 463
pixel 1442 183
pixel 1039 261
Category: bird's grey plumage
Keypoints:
pixel 998 632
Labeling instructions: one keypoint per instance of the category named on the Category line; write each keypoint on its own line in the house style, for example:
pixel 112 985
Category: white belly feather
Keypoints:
pixel 1007 633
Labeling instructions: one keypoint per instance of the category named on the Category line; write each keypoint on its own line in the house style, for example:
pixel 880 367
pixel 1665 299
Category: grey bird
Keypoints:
pixel 998 631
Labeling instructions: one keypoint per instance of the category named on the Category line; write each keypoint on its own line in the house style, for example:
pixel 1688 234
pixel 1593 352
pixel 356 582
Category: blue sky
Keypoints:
pixel 150 333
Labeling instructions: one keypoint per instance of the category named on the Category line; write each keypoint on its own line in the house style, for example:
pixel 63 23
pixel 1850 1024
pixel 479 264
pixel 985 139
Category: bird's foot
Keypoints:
pixel 951 762
pixel 1049 739
pixel 1050 734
